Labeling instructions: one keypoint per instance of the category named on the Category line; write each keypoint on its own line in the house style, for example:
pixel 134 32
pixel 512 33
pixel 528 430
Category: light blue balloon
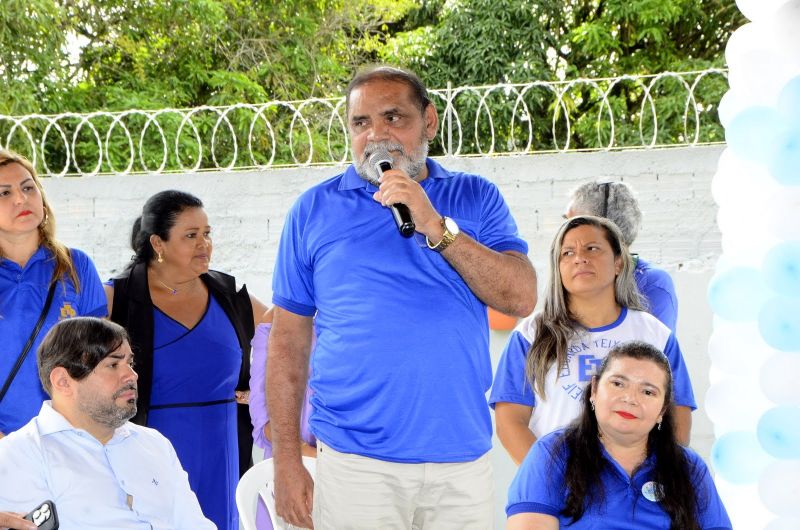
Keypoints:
pixel 738 457
pixel 779 432
pixel 737 294
pixel 784 162
pixel 779 323
pixel 782 268
pixel 789 101
pixel 751 134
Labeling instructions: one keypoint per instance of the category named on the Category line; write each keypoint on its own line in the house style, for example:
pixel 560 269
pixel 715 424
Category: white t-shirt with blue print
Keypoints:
pixel 565 385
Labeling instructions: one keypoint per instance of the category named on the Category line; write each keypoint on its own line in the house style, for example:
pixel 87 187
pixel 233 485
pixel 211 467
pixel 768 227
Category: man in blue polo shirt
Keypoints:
pixel 401 365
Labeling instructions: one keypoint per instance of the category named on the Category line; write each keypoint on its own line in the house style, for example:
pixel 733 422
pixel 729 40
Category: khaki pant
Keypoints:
pixel 353 492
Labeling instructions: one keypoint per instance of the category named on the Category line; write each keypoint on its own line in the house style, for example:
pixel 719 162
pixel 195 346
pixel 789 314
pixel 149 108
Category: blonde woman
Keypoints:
pixel 34 267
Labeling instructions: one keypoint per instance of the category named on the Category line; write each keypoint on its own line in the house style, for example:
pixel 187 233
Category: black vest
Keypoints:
pixel 133 309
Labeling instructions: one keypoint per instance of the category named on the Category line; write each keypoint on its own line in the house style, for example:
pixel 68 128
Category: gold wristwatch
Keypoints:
pixel 451 231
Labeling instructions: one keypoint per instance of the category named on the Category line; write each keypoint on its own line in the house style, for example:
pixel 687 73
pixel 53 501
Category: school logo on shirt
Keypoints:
pixel 652 491
pixel 67 311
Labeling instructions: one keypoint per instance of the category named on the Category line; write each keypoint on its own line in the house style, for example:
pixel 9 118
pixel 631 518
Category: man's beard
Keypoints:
pixel 411 164
pixel 108 413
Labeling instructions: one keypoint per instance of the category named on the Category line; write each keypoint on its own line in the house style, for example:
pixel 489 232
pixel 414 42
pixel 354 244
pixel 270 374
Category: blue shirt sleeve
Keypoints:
pixel 498 229
pixel 682 385
pixel 510 384
pixel 663 305
pixel 711 513
pixel 657 287
pixel 292 280
pixel 538 486
pixel 92 302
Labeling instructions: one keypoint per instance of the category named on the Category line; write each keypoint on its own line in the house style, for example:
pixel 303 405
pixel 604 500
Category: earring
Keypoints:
pixel 45 220
pixel 160 258
pixel 591 403
pixel 659 425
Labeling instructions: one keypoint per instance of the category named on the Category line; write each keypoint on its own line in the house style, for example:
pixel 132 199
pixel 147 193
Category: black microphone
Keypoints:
pixel 381 160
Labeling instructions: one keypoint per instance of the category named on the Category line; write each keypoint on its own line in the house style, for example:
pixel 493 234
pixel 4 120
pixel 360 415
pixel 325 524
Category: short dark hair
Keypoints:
pixel 77 344
pixel 383 72
pixel 158 217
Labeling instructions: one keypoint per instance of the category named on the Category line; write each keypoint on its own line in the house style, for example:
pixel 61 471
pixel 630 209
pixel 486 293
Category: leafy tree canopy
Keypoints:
pixel 85 55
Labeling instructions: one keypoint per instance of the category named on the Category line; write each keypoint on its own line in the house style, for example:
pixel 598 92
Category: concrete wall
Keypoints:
pixel 246 210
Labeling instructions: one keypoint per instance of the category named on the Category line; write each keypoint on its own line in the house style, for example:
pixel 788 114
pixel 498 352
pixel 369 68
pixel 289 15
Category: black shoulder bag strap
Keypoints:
pixel 27 347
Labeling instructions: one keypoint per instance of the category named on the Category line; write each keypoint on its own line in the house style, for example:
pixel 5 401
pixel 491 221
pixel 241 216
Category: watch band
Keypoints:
pixel 447 238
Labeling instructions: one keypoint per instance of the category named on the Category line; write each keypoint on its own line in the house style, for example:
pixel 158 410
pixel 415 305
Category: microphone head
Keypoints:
pixel 379 160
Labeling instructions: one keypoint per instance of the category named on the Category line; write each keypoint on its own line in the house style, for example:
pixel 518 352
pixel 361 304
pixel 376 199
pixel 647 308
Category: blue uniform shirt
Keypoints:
pixel 659 291
pixel 401 365
pixel 630 502
pixel 23 291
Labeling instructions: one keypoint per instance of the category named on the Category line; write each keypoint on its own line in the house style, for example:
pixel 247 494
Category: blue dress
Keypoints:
pixel 195 372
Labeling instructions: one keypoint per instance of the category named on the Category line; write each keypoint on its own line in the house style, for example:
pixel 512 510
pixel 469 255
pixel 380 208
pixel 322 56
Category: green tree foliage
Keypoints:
pixel 78 56
pixel 510 41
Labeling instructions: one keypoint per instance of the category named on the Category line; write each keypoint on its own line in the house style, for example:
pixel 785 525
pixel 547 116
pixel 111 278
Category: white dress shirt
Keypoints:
pixel 135 481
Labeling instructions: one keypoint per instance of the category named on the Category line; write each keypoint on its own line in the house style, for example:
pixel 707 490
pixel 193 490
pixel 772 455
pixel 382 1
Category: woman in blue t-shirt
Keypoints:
pixel 618 464
pixel 32 261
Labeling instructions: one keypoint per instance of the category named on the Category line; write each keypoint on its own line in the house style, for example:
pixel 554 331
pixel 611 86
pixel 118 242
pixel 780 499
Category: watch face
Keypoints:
pixel 451 226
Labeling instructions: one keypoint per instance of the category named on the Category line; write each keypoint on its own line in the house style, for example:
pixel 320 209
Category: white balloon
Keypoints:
pixel 735 101
pixel 779 488
pixel 738 349
pixel 784 26
pixel 740 183
pixel 779 379
pixel 758 9
pixel 783 523
pixel 748 246
pixel 745 39
pixel 743 505
pixel 760 74
pixel 745 237
pixel 735 403
pixel 782 215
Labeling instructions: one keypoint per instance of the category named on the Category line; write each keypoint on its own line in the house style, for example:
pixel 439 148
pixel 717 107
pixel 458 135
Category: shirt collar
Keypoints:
pixel 645 467
pixel 41 254
pixel 50 421
pixel 351 180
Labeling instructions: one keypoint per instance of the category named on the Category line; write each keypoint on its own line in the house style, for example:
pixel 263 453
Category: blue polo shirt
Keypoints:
pixel 657 287
pixel 401 365
pixel 23 291
pixel 631 503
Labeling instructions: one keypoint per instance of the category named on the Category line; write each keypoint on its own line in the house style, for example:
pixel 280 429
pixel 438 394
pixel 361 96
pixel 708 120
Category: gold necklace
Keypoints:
pixel 172 290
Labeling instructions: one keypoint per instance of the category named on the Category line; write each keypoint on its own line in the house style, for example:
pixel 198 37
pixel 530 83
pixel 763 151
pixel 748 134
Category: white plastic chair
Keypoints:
pixel 259 481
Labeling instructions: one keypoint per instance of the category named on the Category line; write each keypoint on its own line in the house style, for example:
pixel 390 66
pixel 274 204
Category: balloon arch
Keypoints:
pixel 754 397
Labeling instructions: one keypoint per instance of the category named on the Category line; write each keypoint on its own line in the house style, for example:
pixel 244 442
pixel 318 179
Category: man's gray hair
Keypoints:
pixel 612 200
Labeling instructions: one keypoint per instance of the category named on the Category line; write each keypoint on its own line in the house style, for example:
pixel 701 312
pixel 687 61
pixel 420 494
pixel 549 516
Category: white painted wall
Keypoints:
pixel 247 209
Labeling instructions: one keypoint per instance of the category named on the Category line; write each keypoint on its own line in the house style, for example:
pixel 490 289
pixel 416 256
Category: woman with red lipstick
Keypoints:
pixel 190 329
pixel 618 464
pixel 590 305
pixel 34 267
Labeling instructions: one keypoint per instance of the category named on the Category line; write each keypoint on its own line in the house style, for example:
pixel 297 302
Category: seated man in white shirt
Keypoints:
pixel 101 471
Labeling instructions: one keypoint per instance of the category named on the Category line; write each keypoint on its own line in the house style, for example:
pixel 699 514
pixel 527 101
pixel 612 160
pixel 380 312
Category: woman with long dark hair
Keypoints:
pixel 190 330
pixel 591 304
pixel 618 464
pixel 34 268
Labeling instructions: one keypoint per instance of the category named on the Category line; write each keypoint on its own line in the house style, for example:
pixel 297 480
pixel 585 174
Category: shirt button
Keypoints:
pixel 19 277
